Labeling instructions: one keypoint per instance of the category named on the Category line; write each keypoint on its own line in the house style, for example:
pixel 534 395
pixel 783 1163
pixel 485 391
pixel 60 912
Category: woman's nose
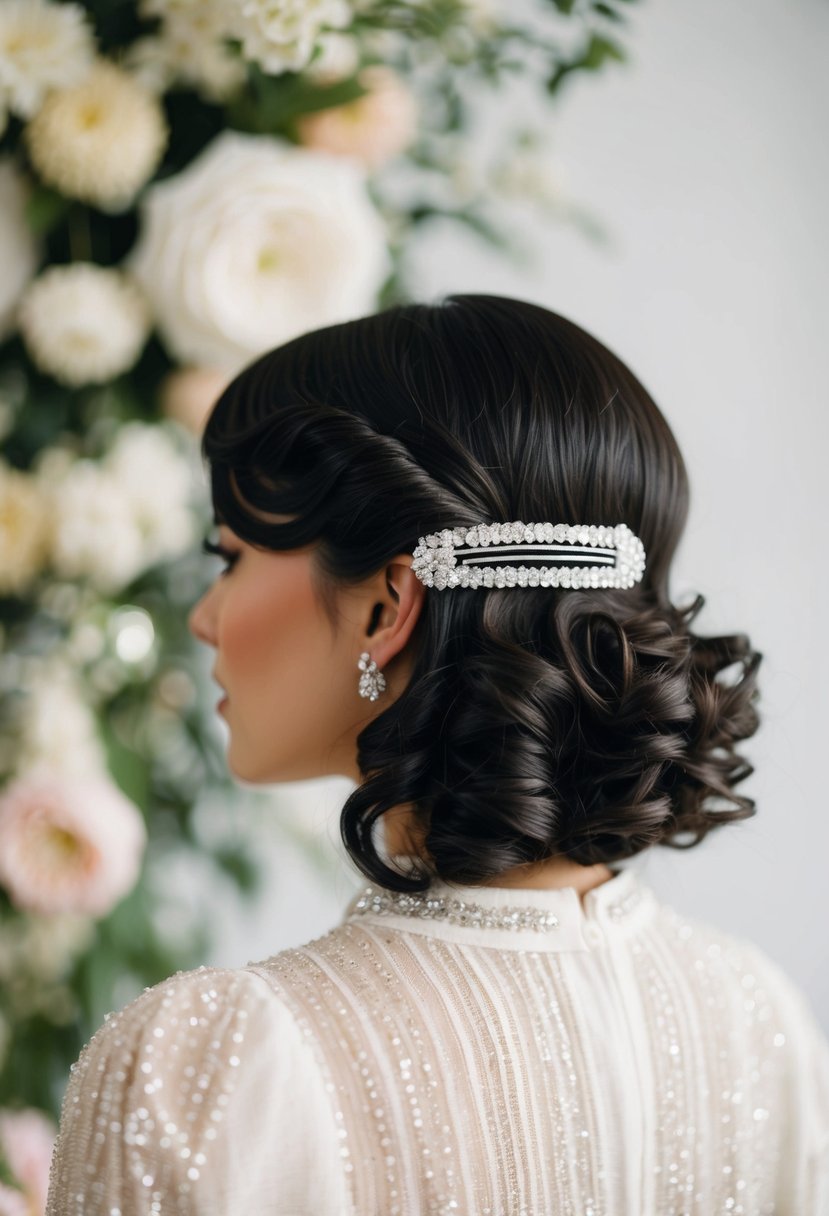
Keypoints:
pixel 198 622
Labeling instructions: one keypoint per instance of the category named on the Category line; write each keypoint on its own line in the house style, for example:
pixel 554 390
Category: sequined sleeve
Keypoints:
pixel 803 1184
pixel 199 1097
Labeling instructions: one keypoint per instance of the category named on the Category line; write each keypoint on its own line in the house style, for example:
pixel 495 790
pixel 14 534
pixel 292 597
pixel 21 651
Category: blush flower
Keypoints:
pixel 27 1139
pixel 189 394
pixel 68 843
pixel 373 128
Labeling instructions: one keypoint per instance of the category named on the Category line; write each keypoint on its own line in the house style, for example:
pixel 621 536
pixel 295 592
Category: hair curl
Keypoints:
pixel 546 721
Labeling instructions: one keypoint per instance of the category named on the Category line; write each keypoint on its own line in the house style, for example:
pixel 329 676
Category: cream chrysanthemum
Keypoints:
pixel 43 46
pixel 84 324
pixel 100 140
pixel 25 530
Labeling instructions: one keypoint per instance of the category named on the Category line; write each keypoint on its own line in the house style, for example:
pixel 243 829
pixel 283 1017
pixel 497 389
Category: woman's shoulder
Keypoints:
pixel 748 982
pixel 211 1003
pixel 185 1079
pixel 186 1006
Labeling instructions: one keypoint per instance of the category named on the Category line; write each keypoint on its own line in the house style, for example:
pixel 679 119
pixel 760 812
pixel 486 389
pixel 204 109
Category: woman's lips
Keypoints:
pixel 222 703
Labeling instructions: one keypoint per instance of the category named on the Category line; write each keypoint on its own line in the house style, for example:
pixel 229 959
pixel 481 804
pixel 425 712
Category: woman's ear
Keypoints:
pixel 395 611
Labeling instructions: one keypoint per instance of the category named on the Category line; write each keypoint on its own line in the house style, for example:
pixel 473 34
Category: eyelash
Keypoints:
pixel 231 558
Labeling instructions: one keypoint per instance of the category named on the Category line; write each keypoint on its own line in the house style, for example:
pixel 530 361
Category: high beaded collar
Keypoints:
pixel 551 919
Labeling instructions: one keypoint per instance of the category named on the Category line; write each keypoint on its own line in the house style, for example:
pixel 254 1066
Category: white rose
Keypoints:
pixel 254 243
pixel 19 251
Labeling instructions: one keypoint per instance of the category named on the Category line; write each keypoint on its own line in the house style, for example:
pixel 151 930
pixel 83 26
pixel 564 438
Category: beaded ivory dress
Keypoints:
pixel 478 1051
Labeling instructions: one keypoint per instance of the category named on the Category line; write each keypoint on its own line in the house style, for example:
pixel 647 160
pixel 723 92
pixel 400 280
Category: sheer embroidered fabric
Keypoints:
pixel 482 1052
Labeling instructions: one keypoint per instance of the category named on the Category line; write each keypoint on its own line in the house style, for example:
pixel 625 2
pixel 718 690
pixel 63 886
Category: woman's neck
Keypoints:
pixel 404 839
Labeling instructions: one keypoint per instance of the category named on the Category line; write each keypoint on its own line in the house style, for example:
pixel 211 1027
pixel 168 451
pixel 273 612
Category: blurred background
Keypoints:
pixel 655 171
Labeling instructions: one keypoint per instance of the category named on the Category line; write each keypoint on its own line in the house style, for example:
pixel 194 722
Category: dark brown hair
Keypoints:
pixel 538 721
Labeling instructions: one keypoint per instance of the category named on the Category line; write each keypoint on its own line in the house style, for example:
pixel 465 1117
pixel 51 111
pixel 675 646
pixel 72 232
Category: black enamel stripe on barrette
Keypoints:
pixel 566 553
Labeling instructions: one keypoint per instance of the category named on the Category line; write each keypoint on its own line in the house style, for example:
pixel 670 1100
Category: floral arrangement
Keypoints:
pixel 184 184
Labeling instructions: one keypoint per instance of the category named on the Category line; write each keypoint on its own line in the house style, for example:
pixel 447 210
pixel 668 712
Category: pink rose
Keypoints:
pixel 373 128
pixel 68 843
pixel 189 394
pixel 27 1138
pixel 13 1203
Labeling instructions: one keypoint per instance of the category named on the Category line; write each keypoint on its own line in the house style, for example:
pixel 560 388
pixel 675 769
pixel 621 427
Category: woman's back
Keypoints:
pixel 482 1051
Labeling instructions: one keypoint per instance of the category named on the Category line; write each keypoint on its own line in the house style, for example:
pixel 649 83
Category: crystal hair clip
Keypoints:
pixel 455 557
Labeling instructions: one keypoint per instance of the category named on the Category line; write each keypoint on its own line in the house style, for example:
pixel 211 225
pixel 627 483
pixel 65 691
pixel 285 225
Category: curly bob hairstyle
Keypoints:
pixel 538 721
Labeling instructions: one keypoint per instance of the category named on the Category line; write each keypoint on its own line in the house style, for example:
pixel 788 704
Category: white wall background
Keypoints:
pixel 706 156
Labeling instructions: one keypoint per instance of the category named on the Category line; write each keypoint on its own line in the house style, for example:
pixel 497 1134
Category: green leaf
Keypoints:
pixel 606 11
pixel 45 209
pixel 598 50
pixel 273 103
pixel 240 866
pixel 126 767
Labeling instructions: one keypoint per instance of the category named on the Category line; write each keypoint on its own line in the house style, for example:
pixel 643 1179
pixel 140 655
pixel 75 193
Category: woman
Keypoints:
pixel 507 1020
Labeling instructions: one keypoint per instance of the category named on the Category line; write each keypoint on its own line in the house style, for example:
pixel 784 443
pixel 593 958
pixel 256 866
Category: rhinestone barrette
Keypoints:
pixel 455 557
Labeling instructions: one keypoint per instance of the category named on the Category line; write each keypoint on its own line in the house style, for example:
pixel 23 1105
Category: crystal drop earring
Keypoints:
pixel 372 681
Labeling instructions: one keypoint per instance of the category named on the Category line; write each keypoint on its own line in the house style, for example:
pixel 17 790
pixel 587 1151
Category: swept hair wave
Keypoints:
pixel 593 723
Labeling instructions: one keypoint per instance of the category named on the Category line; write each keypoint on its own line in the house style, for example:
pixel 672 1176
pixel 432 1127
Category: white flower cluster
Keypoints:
pixel 313 247
pixel 193 42
pixel 280 35
pixel 190 48
pixel 255 242
pixel 106 521
pixel 84 324
pixel 114 518
pixel 528 173
pixel 57 727
pixel 43 46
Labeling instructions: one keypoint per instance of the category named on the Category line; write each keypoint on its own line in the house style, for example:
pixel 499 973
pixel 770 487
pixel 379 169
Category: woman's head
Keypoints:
pixel 519 723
